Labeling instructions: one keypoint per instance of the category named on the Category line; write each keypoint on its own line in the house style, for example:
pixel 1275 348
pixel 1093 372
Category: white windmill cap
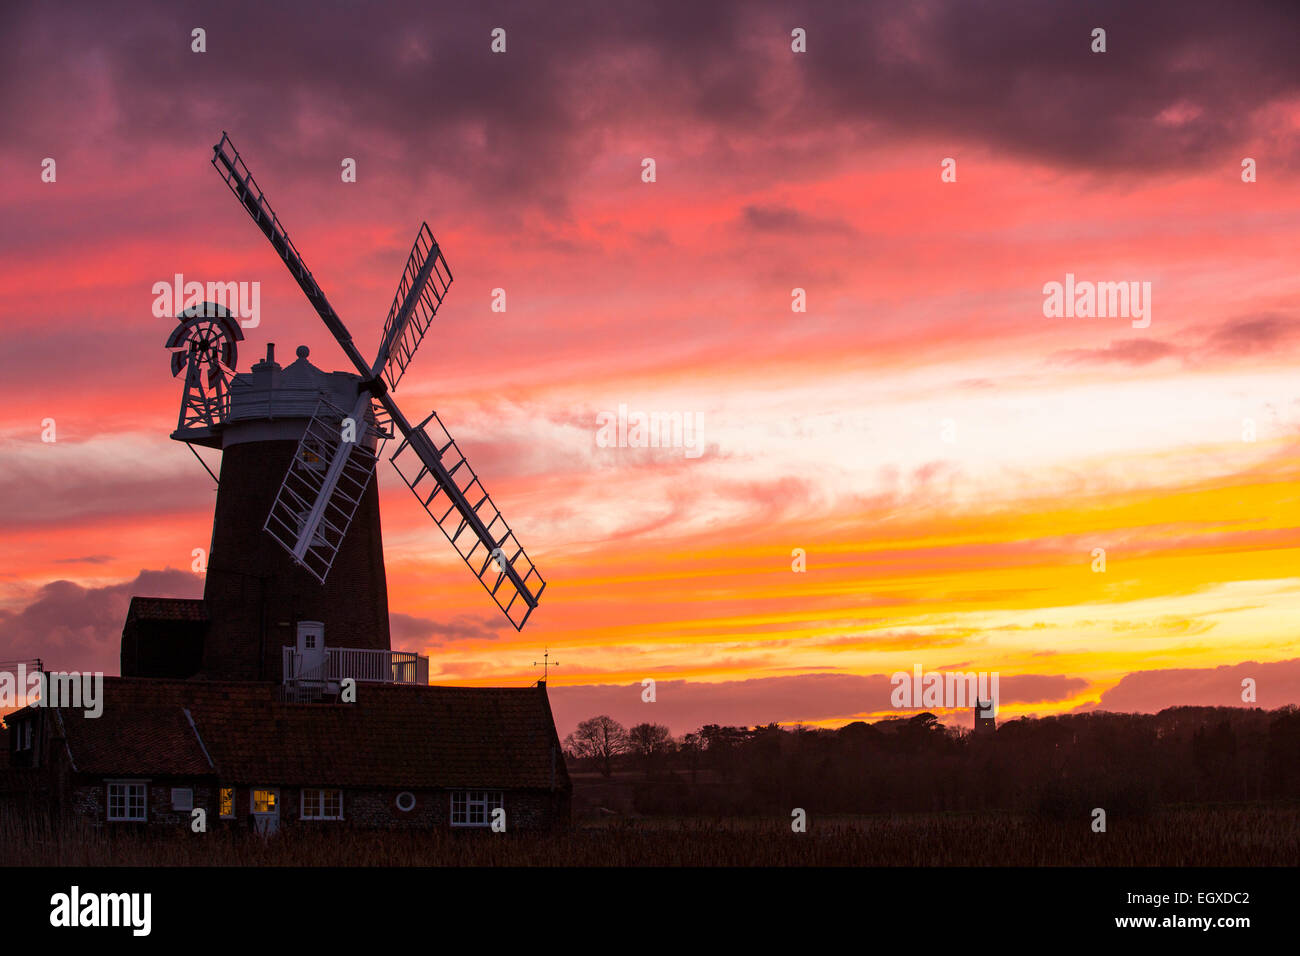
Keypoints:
pixel 269 402
pixel 210 310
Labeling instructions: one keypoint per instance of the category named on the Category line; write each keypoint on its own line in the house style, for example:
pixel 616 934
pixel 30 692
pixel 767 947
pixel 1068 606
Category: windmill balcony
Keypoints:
pixel 375 666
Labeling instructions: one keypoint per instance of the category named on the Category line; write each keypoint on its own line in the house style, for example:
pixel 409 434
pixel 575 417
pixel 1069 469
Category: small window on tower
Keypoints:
pixel 314 458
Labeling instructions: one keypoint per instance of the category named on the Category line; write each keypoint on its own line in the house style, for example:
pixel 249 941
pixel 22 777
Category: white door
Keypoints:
pixel 265 807
pixel 311 650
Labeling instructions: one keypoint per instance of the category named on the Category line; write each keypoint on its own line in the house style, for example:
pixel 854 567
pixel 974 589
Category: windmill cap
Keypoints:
pixel 271 403
pixel 208 310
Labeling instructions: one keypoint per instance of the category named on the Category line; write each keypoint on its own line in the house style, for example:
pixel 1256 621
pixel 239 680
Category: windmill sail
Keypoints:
pixel 454 497
pixel 424 284
pixel 325 483
pixel 226 160
pixel 324 486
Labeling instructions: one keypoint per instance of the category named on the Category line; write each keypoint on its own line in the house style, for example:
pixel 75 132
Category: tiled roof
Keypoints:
pixel 143 738
pixel 167 609
pixel 395 736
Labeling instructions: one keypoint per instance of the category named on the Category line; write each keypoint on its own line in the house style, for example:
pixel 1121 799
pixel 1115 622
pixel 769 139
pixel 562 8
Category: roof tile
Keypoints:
pixel 394 736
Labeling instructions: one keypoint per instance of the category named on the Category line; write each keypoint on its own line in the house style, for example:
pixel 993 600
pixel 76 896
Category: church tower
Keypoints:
pixel 985 721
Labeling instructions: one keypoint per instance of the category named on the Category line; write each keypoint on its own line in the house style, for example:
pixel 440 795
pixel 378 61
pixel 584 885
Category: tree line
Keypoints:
pixel 1056 766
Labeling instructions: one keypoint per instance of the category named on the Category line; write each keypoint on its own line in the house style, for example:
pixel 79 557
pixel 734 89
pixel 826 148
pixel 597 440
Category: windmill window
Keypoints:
pixel 126 800
pixel 23 733
pixel 314 457
pixel 322 804
pixel 473 808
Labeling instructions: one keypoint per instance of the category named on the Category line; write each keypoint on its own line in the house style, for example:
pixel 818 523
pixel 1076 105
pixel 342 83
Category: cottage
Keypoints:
pixel 401 756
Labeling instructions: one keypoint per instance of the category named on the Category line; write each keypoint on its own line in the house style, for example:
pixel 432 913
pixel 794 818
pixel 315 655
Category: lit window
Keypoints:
pixel 227 801
pixel 182 798
pixel 314 456
pixel 126 801
pixel 264 801
pixel 322 804
pixel 473 808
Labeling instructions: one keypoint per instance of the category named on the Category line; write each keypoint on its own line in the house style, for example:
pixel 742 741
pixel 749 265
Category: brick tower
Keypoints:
pixel 985 721
pixel 255 594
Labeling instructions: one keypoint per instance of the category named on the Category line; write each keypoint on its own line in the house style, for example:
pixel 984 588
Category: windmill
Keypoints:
pixel 206 352
pixel 334 465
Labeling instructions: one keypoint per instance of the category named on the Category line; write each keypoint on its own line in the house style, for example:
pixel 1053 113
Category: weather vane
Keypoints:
pixel 546 663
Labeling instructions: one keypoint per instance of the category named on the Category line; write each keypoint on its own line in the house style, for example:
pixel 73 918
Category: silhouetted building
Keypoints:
pixel 403 756
pixel 277 698
pixel 985 721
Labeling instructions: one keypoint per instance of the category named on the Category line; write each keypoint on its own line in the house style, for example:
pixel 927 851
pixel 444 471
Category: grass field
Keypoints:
pixel 1229 835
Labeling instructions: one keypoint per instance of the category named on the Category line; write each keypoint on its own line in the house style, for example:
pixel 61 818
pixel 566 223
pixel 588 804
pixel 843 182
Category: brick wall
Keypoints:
pixel 363 809
pixel 90 800
pixel 525 809
pixel 255 593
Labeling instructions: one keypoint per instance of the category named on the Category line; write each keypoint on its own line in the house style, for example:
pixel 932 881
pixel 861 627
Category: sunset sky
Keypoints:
pixel 825 431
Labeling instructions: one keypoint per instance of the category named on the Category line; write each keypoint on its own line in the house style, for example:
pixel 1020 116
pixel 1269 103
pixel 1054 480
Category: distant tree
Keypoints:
pixel 720 745
pixel 650 742
pixel 691 750
pixel 599 739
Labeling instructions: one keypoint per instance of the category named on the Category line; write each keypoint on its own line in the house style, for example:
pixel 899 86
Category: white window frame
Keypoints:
pixel 129 785
pixel 185 800
pixel 320 792
pixel 24 735
pixel 408 795
pixel 486 800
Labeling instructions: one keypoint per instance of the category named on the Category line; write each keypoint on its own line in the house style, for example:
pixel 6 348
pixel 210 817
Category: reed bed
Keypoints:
pixel 1241 835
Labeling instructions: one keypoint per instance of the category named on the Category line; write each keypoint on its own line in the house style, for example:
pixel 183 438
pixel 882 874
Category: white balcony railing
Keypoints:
pixel 375 666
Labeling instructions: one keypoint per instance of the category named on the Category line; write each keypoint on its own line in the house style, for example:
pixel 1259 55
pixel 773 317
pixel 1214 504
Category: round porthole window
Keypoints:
pixel 406 801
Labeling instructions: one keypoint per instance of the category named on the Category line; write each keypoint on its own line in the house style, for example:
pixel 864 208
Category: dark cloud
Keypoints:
pixel 416 87
pixel 1276 685
pixel 686 705
pixel 1179 81
pixel 1122 352
pixel 1249 335
pixel 410 632
pixel 71 627
pixel 786 219
pixel 1039 688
